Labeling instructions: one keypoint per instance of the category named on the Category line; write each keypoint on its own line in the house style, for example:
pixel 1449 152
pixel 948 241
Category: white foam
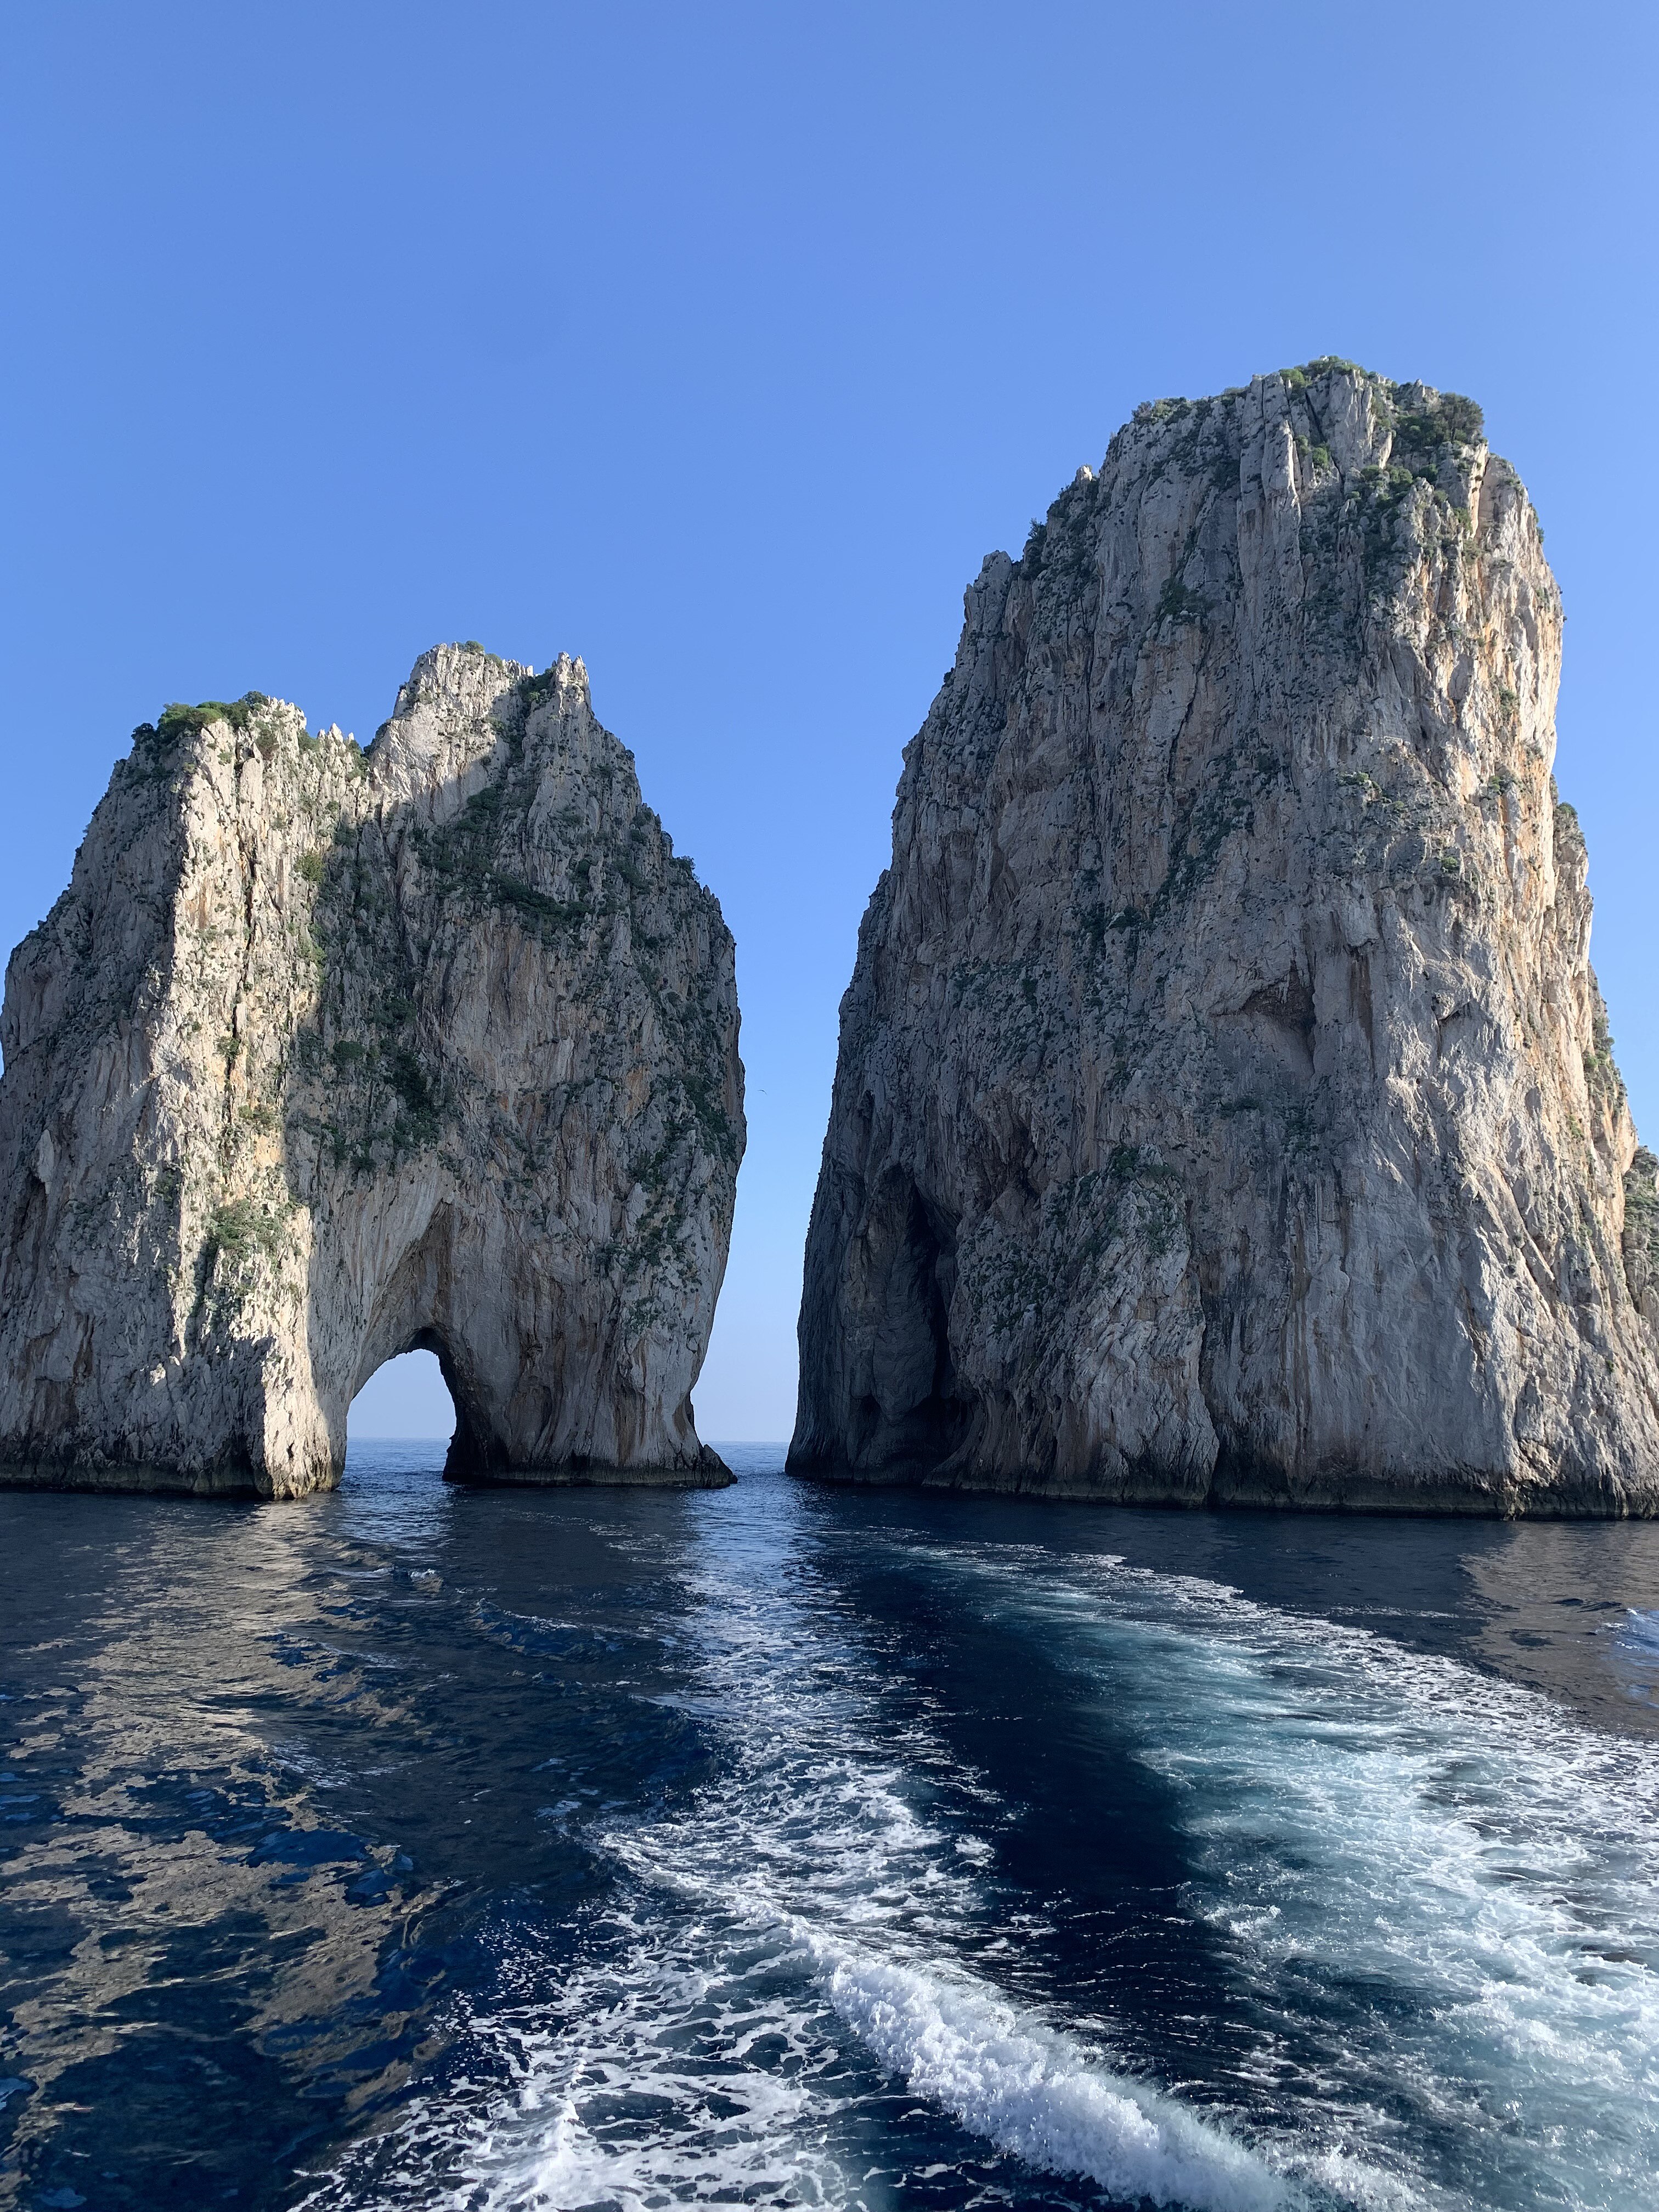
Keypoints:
pixel 1027 2089
pixel 645 2079
pixel 659 2084
pixel 1000 2069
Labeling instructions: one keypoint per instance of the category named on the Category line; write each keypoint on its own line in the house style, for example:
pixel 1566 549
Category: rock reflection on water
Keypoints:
pixel 275 1793
pixel 168 1882
pixel 1568 1609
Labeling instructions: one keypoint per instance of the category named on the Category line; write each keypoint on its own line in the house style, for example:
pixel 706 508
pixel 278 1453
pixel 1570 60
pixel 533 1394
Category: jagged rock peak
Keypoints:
pixel 1226 1108
pixel 325 1055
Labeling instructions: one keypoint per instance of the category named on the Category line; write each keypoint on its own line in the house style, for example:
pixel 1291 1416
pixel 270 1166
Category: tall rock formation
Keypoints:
pixel 1226 1108
pixel 327 1054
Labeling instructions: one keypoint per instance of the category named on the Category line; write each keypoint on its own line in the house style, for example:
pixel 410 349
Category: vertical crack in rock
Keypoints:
pixel 325 1056
pixel 1225 1110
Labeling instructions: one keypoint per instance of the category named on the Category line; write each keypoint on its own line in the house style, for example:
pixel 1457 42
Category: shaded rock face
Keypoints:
pixel 1226 1108
pixel 327 1055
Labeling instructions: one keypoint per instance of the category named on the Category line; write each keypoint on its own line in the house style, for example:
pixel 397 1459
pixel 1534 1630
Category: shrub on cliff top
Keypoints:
pixel 1326 364
pixel 178 720
pixel 1422 433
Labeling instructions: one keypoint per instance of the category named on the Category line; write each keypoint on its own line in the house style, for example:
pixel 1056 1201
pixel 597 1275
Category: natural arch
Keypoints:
pixel 328 1055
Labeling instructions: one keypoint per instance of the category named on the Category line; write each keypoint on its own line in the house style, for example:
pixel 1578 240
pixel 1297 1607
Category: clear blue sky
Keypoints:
pixel 717 345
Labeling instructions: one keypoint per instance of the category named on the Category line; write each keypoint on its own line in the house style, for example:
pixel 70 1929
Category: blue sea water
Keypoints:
pixel 790 1846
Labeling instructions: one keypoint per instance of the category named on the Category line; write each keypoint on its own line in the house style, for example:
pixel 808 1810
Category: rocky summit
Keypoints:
pixel 1226 1108
pixel 326 1054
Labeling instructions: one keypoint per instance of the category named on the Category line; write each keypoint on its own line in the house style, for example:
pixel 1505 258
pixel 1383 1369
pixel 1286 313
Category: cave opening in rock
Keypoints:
pixel 916 1413
pixel 404 1401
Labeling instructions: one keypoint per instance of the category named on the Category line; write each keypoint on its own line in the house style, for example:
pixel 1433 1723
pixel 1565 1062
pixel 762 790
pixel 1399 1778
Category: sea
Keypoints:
pixel 800 1845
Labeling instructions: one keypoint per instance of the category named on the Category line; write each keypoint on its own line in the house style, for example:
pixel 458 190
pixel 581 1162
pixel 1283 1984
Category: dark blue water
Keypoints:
pixel 787 1845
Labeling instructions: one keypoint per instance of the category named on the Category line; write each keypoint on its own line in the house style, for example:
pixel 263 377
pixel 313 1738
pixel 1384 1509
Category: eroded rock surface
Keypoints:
pixel 1226 1108
pixel 325 1056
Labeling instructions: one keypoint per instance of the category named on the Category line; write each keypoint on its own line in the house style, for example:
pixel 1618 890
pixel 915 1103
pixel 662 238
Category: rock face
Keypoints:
pixel 325 1056
pixel 1226 1108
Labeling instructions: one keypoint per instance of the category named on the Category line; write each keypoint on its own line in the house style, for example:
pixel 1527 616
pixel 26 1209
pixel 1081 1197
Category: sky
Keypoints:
pixel 719 344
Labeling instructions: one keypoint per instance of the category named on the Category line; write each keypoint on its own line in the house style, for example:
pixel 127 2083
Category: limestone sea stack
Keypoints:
pixel 327 1054
pixel 1226 1108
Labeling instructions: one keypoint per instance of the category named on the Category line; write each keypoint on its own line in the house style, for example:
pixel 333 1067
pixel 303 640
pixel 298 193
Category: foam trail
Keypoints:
pixel 1028 2090
pixel 1444 1887
pixel 706 2057
pixel 649 2077
pixel 1003 2072
pixel 1435 1893
pixel 815 1837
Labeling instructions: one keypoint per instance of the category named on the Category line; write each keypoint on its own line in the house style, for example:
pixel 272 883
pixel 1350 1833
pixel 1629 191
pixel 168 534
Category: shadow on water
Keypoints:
pixel 1083 1824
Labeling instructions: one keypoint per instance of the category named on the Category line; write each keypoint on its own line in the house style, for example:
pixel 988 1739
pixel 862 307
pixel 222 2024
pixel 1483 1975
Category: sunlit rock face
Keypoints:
pixel 325 1056
pixel 1226 1108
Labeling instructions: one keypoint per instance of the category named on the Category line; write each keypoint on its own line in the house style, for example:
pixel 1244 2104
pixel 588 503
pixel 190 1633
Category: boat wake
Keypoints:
pixel 807 1987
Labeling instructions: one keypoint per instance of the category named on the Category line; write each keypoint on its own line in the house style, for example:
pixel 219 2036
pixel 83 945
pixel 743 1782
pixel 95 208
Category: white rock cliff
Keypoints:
pixel 325 1056
pixel 1226 1108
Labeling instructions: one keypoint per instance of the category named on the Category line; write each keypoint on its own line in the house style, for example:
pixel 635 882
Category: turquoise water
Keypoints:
pixel 790 1846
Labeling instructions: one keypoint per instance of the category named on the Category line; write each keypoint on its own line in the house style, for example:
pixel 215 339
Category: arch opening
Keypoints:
pixel 407 1400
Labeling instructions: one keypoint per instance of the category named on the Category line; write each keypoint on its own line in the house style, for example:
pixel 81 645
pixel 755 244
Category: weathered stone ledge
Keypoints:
pixel 1433 1498
pixel 138 1480
pixel 712 1473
